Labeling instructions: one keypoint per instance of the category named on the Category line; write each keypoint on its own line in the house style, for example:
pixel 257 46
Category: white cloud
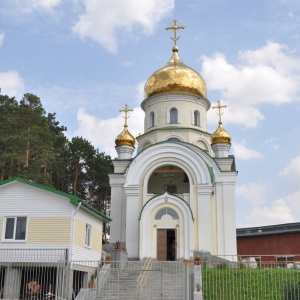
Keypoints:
pixel 101 133
pixel 292 173
pixel 276 213
pixel 272 142
pixel 2 35
pixel 255 193
pixel 235 114
pixel 140 91
pixel 267 75
pixel 11 83
pixel 31 5
pixel 243 153
pixel 294 201
pixel 90 95
pixel 128 63
pixel 46 4
pixel 110 22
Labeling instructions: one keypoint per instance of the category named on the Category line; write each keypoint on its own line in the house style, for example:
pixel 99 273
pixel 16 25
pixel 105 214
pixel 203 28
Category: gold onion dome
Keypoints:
pixel 125 138
pixel 220 135
pixel 175 76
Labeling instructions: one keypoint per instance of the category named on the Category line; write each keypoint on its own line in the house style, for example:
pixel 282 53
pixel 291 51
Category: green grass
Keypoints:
pixel 251 284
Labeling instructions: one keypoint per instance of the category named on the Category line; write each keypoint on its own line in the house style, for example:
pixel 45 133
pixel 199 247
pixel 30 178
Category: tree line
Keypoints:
pixel 33 146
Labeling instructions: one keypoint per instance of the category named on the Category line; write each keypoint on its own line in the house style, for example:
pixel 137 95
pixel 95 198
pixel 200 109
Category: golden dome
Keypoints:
pixel 125 138
pixel 220 135
pixel 175 76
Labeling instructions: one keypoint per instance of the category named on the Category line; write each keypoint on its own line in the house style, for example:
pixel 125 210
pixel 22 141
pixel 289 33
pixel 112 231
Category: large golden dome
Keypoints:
pixel 175 76
pixel 125 138
pixel 220 135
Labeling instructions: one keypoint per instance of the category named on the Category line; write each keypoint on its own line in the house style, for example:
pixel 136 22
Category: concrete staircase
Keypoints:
pixel 152 280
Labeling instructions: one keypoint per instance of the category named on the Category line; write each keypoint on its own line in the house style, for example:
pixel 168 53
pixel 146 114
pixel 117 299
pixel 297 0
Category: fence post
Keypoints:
pixel 187 279
pixel 198 281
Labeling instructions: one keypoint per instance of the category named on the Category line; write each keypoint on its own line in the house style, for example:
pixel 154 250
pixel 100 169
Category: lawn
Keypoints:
pixel 251 284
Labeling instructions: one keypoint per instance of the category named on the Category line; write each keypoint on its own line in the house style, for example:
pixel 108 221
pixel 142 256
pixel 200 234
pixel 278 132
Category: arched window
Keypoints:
pixel 196 118
pixel 173 116
pixel 151 119
pixel 166 211
pixel 173 139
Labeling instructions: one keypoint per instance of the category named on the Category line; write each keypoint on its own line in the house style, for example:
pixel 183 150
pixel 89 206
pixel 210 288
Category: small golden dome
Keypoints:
pixel 125 138
pixel 175 76
pixel 220 135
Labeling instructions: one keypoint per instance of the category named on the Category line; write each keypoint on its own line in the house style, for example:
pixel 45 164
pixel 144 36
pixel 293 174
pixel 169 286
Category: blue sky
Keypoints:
pixel 86 58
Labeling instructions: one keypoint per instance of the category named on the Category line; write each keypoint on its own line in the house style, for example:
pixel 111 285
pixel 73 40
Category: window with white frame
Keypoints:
pixel 88 234
pixel 15 228
pixel 173 116
pixel 196 118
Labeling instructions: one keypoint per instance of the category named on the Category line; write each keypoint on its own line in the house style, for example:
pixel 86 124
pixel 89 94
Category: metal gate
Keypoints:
pixel 144 280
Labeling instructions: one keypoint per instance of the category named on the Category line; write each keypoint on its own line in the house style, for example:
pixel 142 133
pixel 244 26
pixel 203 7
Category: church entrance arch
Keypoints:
pixel 170 179
pixel 166 238
pixel 166 228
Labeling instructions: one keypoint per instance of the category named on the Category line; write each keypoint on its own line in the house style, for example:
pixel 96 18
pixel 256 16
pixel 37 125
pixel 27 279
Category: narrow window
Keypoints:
pixel 151 121
pixel 173 116
pixel 88 232
pixel 196 118
pixel 15 228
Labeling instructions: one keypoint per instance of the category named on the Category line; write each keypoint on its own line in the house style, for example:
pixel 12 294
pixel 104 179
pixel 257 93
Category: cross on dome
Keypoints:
pixel 219 106
pixel 126 110
pixel 175 27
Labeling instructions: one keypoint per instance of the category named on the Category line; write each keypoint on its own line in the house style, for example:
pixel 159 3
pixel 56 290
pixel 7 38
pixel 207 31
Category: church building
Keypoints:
pixel 177 195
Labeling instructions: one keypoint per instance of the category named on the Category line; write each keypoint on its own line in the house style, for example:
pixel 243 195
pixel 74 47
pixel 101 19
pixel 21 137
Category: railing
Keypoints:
pixel 144 273
pixel 28 273
pixel 32 255
pixel 245 278
pixel 249 280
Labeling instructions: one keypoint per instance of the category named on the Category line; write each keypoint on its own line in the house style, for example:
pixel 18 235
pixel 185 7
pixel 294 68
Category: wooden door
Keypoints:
pixel 161 244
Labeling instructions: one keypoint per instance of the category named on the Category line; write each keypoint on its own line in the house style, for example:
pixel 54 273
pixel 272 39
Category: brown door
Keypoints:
pixel 161 244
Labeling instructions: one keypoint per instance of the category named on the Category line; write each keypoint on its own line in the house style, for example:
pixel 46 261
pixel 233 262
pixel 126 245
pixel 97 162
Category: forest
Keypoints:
pixel 33 146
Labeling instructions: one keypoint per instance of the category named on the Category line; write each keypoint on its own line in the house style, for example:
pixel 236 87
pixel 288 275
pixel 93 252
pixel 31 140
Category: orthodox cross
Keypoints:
pixel 126 110
pixel 175 27
pixel 219 106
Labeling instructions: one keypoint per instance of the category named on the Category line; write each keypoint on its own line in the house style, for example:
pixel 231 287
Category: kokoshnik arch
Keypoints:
pixel 176 196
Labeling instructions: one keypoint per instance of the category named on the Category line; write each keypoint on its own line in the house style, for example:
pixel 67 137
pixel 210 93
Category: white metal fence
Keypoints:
pixel 30 274
pixel 216 279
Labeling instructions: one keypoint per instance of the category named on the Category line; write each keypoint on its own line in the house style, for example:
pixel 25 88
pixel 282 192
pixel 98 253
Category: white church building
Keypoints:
pixel 177 195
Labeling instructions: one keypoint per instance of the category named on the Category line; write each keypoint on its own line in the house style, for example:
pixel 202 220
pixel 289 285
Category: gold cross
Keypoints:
pixel 219 106
pixel 126 110
pixel 175 27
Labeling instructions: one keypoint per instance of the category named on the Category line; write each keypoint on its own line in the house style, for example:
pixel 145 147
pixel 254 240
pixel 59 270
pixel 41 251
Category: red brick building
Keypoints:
pixel 277 244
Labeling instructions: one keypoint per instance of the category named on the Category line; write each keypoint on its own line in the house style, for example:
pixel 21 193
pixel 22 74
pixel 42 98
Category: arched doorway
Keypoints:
pixel 170 179
pixel 166 221
pixel 167 234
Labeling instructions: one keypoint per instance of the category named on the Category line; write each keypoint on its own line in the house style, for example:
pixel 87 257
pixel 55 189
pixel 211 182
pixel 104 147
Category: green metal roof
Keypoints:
pixel 73 199
pixel 172 127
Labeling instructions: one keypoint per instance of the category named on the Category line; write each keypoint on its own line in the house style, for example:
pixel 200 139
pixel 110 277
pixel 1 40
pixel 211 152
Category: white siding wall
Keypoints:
pixel 80 251
pixel 17 198
pixel 20 199
pixel 53 211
